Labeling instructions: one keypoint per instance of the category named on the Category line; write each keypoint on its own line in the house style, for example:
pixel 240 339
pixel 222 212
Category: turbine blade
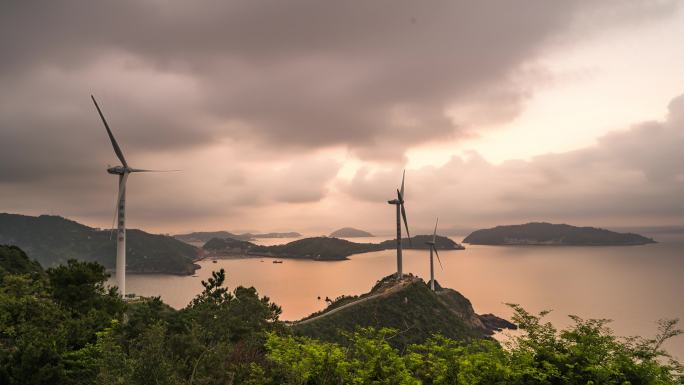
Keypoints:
pixel 403 215
pixel 117 150
pixel 434 235
pixel 403 175
pixel 437 254
pixel 142 170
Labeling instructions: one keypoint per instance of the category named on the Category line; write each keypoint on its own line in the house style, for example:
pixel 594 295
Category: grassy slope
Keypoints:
pixel 414 310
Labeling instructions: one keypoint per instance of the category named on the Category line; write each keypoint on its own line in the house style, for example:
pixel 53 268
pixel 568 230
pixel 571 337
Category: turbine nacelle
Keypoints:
pixel 118 170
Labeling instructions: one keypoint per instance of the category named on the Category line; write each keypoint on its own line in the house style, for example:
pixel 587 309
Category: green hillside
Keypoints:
pixel 206 236
pixel 408 306
pixel 420 242
pixel 541 233
pixel 51 240
pixel 67 327
pixel 227 244
pixel 321 248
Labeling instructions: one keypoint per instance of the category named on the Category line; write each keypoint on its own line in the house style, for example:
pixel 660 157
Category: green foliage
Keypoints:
pixel 585 353
pixel 368 359
pixel 410 307
pixel 32 333
pixel 13 260
pixel 65 327
pixel 152 363
pixel 79 286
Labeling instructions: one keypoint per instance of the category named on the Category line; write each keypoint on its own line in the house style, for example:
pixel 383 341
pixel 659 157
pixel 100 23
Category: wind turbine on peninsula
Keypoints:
pixel 433 247
pixel 401 213
pixel 120 210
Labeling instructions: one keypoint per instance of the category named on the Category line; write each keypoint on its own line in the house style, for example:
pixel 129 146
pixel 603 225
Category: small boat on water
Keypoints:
pixel 276 261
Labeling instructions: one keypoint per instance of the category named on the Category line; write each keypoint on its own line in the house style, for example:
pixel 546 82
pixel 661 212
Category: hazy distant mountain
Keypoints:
pixel 408 304
pixel 205 236
pixel 322 248
pixel 227 244
pixel 350 232
pixel 541 233
pixel 420 242
pixel 291 234
pixel 318 248
pixel 51 240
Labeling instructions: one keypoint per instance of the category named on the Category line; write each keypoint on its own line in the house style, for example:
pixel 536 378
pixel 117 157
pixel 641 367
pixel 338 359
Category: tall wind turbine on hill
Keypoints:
pixel 120 210
pixel 401 213
pixel 433 247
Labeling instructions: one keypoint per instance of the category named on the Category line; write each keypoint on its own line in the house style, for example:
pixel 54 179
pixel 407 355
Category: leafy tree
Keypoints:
pixel 13 260
pixel 585 353
pixel 303 361
pixel 151 361
pixel 225 330
pixel 32 333
pixel 79 287
pixel 65 327
pixel 589 352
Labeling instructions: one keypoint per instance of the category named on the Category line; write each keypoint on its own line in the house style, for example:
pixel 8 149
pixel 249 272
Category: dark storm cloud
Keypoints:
pixel 277 79
pixel 302 73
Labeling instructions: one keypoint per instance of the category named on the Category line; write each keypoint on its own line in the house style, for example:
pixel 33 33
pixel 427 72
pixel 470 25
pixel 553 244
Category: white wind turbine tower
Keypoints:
pixel 401 213
pixel 433 247
pixel 120 210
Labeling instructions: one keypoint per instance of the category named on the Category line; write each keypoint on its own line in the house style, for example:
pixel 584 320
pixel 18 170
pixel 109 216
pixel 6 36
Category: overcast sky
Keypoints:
pixel 301 115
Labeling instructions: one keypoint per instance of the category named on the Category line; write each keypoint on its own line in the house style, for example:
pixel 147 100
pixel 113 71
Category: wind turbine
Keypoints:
pixel 433 247
pixel 120 210
pixel 401 213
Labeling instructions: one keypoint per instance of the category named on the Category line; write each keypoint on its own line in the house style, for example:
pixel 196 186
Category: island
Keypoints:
pixel 350 232
pixel 205 236
pixel 52 240
pixel 406 304
pixel 318 248
pixel 548 234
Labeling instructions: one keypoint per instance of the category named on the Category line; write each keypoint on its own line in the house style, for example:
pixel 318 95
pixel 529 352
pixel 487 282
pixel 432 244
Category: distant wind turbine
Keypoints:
pixel 120 209
pixel 401 213
pixel 433 247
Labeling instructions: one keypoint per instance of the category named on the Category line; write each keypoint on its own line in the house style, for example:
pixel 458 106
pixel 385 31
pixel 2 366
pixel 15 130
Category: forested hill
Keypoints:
pixel 540 233
pixel 51 240
pixel 65 326
pixel 408 304
pixel 206 236
pixel 350 232
pixel 321 248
